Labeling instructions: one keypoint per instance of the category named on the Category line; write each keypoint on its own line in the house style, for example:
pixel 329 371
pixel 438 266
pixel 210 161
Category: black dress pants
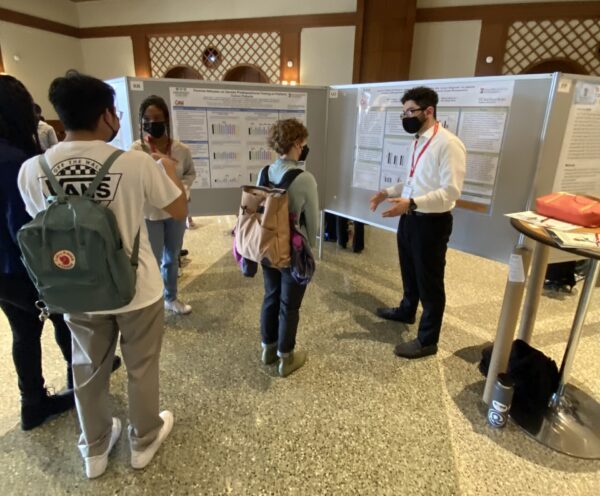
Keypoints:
pixel 280 312
pixel 422 245
pixel 17 300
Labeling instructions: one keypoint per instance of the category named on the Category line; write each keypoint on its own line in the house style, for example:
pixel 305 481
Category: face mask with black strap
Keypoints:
pixel 155 129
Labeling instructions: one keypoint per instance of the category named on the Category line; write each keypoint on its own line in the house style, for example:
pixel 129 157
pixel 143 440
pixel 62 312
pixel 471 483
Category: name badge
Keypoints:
pixel 407 191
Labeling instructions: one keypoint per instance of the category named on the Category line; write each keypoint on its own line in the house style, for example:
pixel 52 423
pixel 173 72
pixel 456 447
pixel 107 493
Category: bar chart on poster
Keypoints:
pixel 227 130
pixel 475 111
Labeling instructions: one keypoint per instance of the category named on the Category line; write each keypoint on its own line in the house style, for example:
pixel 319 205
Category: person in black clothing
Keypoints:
pixel 18 142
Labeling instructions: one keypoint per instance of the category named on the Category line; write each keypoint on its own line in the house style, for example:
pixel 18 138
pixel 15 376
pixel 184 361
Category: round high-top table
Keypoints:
pixel 571 423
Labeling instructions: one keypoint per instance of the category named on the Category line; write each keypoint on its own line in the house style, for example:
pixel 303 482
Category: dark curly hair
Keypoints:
pixel 283 135
pixel 424 97
pixel 18 123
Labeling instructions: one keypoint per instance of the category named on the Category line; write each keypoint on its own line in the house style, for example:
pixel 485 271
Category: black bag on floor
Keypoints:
pixel 534 374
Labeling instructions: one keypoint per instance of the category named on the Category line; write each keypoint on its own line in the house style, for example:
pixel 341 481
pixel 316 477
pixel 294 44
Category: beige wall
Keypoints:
pixel 107 58
pixel 54 10
pixel 113 12
pixel 42 57
pixel 326 55
pixel 444 49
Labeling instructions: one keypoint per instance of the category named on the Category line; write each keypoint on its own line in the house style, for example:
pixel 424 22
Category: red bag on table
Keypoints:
pixel 576 209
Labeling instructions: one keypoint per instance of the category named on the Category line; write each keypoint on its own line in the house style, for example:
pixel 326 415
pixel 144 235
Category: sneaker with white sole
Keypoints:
pixel 177 306
pixel 140 459
pixel 95 466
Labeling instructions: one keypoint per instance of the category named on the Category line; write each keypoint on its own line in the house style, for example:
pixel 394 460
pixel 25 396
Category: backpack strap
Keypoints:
pixel 263 180
pixel 102 172
pixel 288 178
pixel 56 186
pixel 135 251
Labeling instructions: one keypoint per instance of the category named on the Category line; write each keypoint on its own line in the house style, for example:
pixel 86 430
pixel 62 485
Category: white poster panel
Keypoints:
pixel 227 130
pixel 477 112
pixel 579 160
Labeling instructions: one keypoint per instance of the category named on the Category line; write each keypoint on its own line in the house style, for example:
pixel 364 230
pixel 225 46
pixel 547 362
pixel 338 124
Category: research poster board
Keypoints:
pixel 476 111
pixel 578 169
pixel 503 122
pixel 225 126
pixel 226 130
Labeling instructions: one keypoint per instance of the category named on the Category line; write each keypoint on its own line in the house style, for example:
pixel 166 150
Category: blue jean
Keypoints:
pixel 166 238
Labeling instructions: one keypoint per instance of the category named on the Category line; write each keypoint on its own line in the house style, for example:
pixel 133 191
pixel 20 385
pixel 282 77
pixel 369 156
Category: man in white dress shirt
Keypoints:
pixel 424 201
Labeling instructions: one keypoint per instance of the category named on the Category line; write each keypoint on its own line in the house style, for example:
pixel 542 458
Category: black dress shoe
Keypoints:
pixel 394 313
pixel 414 349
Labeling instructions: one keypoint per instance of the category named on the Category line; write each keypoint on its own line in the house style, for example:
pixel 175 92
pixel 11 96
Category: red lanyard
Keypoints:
pixel 414 164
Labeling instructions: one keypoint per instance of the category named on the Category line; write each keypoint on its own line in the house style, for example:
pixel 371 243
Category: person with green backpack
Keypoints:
pixel 88 253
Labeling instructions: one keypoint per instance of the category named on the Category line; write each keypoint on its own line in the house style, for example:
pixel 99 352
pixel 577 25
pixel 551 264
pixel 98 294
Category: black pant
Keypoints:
pixel 336 229
pixel 422 244
pixel 280 309
pixel 17 300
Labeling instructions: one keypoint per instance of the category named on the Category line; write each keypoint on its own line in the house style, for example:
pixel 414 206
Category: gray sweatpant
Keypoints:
pixel 94 343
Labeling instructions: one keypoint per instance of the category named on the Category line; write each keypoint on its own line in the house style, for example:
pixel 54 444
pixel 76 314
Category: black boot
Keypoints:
pixel 36 410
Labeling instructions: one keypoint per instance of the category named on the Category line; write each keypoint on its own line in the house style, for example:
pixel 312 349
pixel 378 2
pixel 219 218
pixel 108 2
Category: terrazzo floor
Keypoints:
pixel 354 420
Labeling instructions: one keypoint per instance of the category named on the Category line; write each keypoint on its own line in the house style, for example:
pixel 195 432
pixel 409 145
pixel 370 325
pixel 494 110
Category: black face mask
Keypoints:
pixel 114 131
pixel 412 124
pixel 303 153
pixel 155 129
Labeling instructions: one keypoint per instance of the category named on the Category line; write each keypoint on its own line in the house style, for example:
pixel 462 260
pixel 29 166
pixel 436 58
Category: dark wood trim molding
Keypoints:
pixel 492 43
pixel 280 23
pixel 141 55
pixel 510 12
pixel 1 61
pixel 38 23
pixel 290 50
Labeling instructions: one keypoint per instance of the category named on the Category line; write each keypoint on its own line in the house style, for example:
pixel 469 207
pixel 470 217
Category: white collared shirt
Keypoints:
pixel 47 135
pixel 438 178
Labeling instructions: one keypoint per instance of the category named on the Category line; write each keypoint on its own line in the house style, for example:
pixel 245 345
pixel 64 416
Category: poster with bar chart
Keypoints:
pixel 235 125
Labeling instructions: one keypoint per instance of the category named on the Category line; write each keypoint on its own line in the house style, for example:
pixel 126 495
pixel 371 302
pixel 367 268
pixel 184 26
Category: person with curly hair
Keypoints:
pixel 280 312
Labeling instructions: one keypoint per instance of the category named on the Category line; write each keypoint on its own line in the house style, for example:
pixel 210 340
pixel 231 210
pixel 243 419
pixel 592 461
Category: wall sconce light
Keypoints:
pixel 284 82
pixel 489 60
pixel 290 63
pixel 293 82
pixel 16 57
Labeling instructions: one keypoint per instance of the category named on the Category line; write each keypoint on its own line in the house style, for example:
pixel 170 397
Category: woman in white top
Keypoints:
pixel 165 233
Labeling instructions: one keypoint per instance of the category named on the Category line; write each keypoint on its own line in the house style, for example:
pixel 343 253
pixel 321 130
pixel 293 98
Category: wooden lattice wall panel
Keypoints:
pixel 535 41
pixel 262 50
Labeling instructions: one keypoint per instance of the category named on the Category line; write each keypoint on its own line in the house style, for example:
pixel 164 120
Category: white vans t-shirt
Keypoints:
pixel 133 180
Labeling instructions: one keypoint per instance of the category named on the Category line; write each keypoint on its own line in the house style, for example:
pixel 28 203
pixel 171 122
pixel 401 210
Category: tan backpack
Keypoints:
pixel 262 231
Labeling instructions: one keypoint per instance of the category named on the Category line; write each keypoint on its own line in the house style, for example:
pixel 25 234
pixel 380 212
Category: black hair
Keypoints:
pixel 18 123
pixel 80 100
pixel 424 97
pixel 159 103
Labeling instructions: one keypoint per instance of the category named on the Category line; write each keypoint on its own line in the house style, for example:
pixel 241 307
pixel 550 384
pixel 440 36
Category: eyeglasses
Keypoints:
pixel 410 112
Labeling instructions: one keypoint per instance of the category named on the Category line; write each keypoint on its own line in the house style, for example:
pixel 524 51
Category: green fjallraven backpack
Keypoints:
pixel 74 253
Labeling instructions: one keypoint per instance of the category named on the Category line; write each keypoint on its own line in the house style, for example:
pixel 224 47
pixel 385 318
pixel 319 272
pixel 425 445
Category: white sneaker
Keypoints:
pixel 190 224
pixel 95 466
pixel 140 459
pixel 177 306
